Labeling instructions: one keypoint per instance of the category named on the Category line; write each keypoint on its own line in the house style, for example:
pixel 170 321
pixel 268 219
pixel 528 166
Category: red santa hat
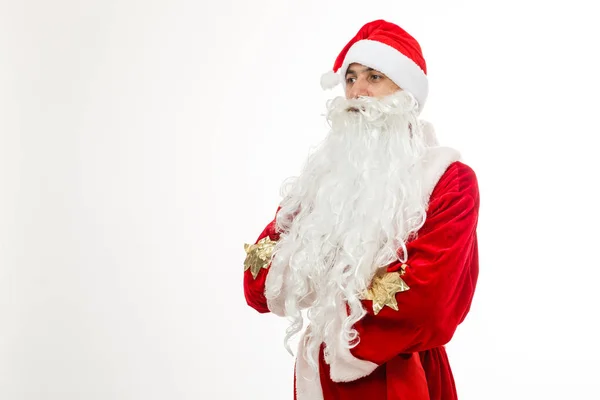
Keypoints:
pixel 388 49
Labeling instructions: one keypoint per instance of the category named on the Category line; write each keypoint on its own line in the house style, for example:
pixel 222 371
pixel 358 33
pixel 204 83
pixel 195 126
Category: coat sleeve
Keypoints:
pixel 254 287
pixel 441 273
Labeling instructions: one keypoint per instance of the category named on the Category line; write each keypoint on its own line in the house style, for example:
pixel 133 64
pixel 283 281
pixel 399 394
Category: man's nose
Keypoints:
pixel 359 88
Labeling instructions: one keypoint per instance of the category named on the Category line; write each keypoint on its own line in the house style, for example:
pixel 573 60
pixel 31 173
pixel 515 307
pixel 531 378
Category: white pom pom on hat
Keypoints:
pixel 388 49
pixel 330 79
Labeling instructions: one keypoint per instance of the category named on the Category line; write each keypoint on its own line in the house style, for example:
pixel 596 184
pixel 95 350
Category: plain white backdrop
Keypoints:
pixel 142 143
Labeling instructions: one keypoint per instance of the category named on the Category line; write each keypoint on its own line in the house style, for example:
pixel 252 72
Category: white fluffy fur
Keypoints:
pixel 360 197
pixel 330 79
pixel 308 383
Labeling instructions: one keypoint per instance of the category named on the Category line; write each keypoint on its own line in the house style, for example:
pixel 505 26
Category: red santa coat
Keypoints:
pixel 401 354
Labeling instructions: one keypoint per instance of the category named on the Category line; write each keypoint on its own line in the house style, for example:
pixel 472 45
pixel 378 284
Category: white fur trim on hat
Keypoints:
pixel 386 59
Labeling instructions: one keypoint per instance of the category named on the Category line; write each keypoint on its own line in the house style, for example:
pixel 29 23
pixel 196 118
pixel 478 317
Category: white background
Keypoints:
pixel 142 143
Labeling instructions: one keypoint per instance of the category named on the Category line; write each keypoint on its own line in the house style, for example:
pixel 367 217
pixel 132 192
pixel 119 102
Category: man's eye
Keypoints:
pixel 350 80
pixel 376 77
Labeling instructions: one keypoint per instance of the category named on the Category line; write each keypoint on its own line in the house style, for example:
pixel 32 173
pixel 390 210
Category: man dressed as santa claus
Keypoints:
pixel 373 248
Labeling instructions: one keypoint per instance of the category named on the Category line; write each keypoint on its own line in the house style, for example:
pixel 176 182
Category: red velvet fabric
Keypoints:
pixel 254 289
pixel 389 34
pixel 408 345
pixel 394 380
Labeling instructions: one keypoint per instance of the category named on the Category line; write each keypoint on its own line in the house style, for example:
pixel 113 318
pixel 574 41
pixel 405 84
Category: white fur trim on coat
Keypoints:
pixel 308 381
pixel 344 367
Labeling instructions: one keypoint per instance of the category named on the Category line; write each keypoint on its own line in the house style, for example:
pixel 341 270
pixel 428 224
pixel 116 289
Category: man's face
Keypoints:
pixel 364 81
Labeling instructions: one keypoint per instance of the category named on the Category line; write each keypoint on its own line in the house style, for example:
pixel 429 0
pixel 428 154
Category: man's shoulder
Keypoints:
pixel 458 178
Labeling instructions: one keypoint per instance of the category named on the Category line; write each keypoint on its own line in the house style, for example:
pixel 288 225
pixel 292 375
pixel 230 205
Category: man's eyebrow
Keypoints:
pixel 351 71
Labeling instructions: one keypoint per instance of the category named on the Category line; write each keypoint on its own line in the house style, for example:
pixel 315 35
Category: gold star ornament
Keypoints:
pixel 383 290
pixel 258 255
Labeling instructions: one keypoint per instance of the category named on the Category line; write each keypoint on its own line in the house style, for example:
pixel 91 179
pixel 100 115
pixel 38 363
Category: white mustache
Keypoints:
pixel 372 109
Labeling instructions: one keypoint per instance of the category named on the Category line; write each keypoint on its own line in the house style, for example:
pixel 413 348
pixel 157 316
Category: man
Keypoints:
pixel 375 240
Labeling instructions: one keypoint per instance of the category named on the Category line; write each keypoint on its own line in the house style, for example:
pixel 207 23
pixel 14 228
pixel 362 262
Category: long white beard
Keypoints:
pixel 356 203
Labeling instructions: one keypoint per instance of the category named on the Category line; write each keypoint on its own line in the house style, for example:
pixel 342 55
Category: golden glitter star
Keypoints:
pixel 258 255
pixel 383 290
